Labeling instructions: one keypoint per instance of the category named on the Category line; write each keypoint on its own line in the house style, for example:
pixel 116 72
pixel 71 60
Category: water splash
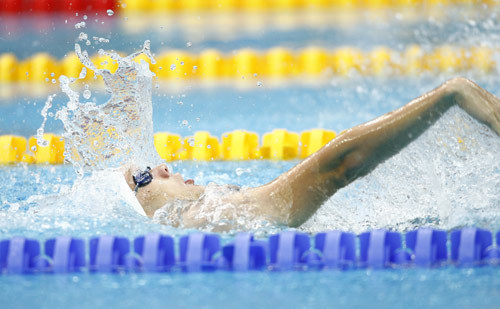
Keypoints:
pixel 39 133
pixel 119 131
pixel 213 213
pixel 98 138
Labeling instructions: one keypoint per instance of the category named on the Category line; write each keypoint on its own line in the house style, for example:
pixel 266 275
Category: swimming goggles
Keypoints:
pixel 142 178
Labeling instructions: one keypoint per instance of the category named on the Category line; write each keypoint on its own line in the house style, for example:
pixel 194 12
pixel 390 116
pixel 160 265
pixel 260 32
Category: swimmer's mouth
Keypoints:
pixel 189 182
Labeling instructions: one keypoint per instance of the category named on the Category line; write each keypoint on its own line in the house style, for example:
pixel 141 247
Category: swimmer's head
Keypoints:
pixel 162 188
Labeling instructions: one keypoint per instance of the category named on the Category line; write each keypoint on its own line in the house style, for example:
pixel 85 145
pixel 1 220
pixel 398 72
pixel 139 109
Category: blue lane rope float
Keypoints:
pixel 288 250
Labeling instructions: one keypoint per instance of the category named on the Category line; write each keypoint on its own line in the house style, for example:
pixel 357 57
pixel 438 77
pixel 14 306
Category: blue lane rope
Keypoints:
pixel 289 250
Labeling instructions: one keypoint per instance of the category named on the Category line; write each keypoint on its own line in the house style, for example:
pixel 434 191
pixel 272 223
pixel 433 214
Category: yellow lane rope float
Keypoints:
pixel 227 25
pixel 270 5
pixel 279 144
pixel 276 63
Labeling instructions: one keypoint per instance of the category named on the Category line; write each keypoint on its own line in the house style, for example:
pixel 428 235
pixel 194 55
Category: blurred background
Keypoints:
pixel 232 54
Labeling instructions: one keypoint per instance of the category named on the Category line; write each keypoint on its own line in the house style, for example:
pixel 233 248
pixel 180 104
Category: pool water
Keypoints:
pixel 28 193
pixel 408 288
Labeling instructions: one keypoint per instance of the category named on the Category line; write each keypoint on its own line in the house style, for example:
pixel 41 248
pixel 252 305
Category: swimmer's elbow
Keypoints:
pixel 458 87
pixel 297 221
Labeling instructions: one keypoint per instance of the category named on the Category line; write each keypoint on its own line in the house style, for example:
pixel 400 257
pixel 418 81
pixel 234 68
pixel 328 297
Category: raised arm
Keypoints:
pixel 298 193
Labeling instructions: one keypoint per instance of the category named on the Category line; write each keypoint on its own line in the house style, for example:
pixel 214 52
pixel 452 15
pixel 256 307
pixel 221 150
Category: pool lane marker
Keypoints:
pixel 198 6
pixel 276 64
pixel 287 251
pixel 279 144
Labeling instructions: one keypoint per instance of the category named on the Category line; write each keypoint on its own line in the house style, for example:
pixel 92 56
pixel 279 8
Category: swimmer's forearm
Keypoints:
pixel 361 148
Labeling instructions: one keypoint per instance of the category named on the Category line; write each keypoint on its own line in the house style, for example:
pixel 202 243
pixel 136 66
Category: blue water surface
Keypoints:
pixel 403 288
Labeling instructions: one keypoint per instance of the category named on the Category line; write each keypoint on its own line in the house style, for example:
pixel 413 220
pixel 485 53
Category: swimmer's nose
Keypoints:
pixel 160 171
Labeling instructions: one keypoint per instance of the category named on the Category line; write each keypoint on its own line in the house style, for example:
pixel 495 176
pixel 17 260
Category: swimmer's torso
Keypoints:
pixel 219 208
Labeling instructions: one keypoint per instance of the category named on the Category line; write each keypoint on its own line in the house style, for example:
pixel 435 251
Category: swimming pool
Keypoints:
pixel 447 287
pixel 337 105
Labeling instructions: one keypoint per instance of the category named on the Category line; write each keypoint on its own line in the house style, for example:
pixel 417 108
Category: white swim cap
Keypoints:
pixel 114 180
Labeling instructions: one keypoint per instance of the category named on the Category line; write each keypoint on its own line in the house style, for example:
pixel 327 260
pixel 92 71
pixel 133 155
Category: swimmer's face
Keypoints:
pixel 164 187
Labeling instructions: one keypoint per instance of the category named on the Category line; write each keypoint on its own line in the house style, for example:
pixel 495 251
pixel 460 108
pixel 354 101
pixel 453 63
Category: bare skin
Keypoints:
pixel 295 195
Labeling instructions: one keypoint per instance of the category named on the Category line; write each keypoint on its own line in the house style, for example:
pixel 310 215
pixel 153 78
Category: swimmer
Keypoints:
pixel 295 195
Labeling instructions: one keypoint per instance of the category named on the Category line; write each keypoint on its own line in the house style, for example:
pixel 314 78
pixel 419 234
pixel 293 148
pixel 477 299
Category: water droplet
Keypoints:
pixel 87 94
pixel 110 12
pixel 185 122
pixel 259 84
pixel 47 79
pixel 198 119
pixel 182 62
pixel 52 74
pixel 180 102
pixel 191 141
pixel 54 80
pixel 85 17
pixel 172 67
pixel 189 44
pixel 82 36
pixel 80 25
pixel 239 171
pixel 83 73
pixel 33 148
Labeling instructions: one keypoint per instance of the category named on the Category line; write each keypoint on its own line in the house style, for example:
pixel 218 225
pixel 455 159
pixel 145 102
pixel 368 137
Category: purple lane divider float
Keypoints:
pixel 153 252
pixel 108 253
pixel 244 254
pixel 428 247
pixel 19 255
pixel 493 253
pixel 469 245
pixel 288 250
pixel 337 248
pixel 67 254
pixel 379 248
pixel 197 252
